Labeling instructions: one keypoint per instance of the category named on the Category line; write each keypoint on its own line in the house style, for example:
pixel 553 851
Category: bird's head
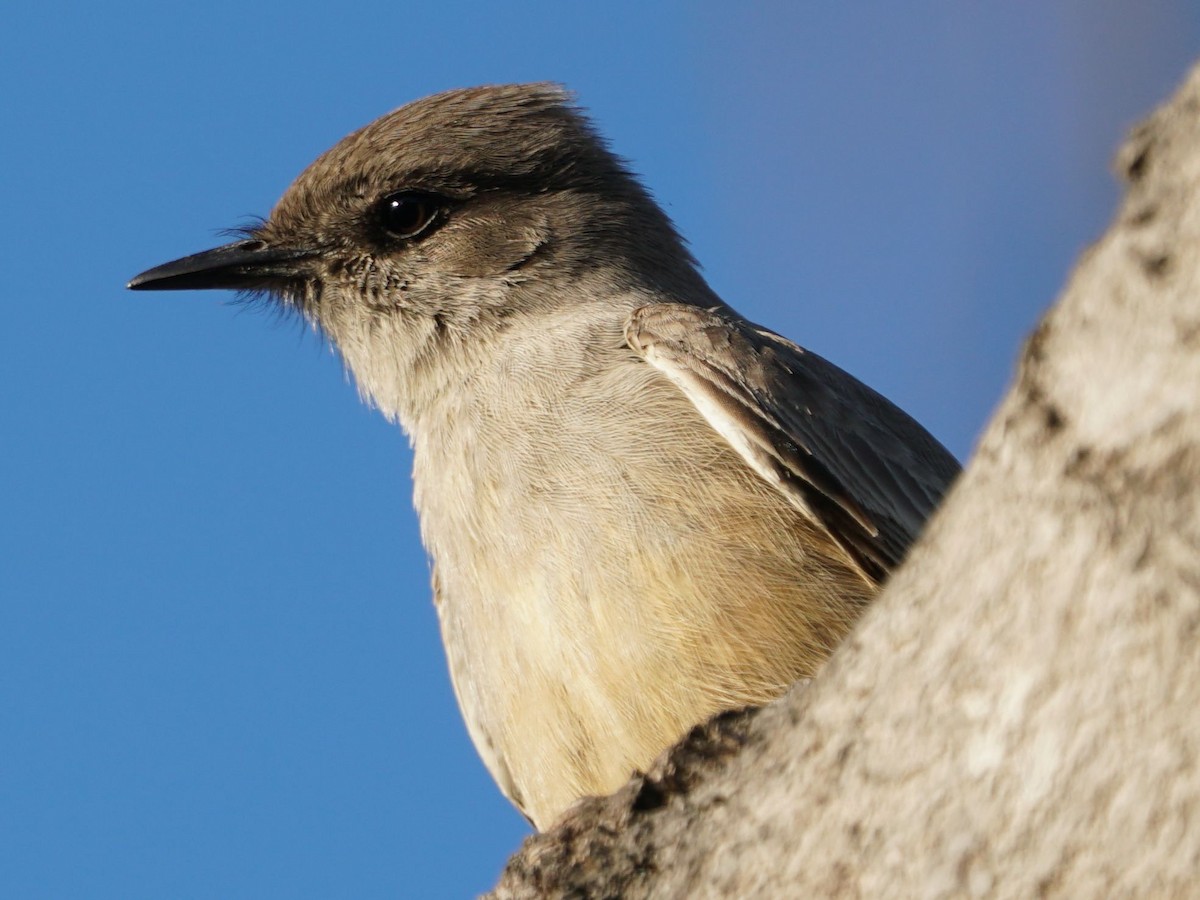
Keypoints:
pixel 458 209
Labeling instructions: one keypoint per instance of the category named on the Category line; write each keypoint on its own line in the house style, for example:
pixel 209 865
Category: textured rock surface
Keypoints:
pixel 1019 714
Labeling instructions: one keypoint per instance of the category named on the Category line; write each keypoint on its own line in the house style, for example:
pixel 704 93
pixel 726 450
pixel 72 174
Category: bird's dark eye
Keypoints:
pixel 406 214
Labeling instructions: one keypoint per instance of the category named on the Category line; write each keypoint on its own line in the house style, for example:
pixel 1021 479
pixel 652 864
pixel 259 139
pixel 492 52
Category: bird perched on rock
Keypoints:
pixel 641 508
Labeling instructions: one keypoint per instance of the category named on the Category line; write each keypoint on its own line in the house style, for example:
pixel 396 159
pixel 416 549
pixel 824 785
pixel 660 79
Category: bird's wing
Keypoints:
pixel 842 454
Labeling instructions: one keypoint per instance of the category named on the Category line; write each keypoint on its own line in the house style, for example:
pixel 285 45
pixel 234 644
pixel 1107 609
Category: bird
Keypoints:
pixel 640 508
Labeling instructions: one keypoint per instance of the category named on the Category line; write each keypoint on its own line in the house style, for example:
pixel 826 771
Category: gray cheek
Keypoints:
pixel 487 246
pixel 364 283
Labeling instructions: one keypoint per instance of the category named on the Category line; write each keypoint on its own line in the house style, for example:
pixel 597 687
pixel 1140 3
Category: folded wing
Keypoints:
pixel 842 454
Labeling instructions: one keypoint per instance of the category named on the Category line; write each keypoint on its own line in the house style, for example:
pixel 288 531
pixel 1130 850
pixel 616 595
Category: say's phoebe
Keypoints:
pixel 641 508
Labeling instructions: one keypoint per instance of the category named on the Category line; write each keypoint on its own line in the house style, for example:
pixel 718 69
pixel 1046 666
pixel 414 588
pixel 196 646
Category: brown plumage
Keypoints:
pixel 641 508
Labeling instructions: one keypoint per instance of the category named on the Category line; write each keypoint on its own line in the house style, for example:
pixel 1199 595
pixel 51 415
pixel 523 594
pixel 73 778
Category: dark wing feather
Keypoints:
pixel 841 453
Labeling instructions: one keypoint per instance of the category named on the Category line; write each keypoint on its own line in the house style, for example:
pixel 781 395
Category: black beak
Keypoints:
pixel 241 265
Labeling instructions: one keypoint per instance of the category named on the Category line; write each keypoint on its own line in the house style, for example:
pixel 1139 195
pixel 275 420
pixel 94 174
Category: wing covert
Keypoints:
pixel 841 453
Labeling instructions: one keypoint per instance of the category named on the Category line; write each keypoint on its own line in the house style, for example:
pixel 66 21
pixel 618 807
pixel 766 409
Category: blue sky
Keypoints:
pixel 220 674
